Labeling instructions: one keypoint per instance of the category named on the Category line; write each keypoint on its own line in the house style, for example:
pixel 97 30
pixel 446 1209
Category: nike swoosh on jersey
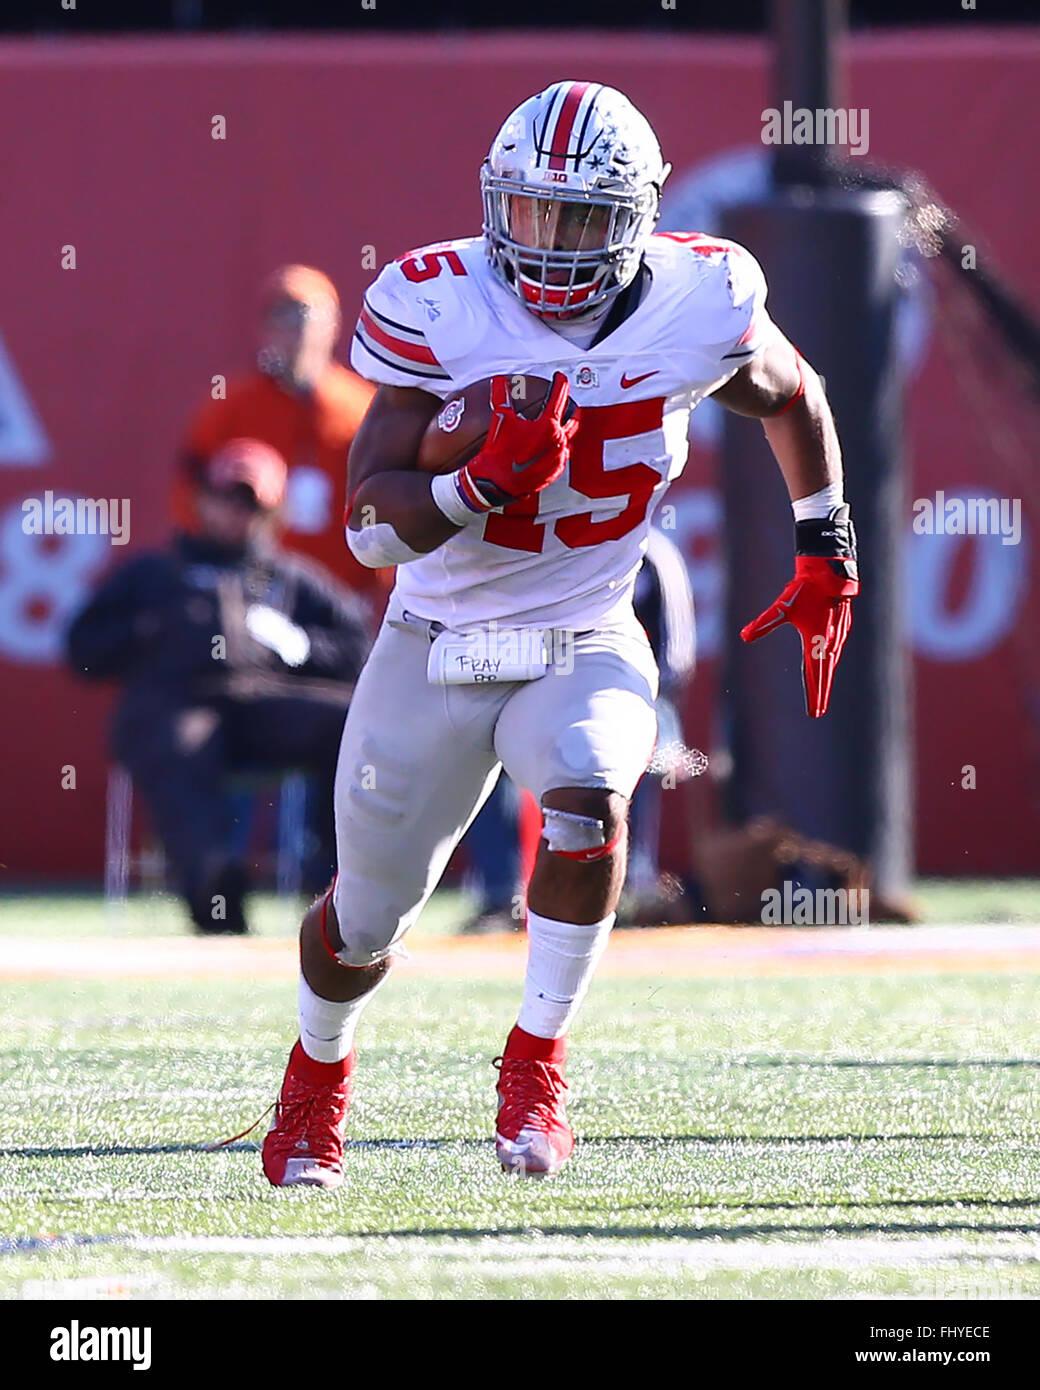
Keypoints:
pixel 627 381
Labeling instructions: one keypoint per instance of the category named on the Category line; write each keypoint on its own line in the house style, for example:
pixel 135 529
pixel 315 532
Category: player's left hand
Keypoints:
pixel 817 602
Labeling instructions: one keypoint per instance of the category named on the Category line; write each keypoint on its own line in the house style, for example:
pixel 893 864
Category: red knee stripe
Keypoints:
pixel 588 856
pixel 323 927
pixel 323 924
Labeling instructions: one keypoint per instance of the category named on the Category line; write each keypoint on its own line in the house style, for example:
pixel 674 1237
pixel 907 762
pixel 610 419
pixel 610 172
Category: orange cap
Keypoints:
pixel 251 462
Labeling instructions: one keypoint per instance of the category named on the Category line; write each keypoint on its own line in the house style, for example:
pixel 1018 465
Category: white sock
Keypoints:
pixel 326 1027
pixel 561 959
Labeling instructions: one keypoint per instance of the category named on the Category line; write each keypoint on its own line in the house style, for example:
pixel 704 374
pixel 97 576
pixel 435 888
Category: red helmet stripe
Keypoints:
pixel 565 124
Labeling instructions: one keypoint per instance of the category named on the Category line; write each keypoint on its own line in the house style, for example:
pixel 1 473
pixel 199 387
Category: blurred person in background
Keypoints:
pixel 663 603
pixel 494 873
pixel 233 655
pixel 303 404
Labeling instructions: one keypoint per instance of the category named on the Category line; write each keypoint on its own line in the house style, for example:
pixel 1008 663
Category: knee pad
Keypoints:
pixel 354 954
pixel 583 838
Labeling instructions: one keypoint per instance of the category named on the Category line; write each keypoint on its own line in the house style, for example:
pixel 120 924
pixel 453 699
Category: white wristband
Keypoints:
pixel 378 545
pixel 453 497
pixel 819 504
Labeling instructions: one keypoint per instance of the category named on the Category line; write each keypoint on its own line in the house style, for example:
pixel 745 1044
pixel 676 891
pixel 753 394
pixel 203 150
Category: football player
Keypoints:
pixel 542 532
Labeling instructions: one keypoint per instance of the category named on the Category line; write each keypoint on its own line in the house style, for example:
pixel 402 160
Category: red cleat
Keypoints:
pixel 304 1145
pixel 533 1138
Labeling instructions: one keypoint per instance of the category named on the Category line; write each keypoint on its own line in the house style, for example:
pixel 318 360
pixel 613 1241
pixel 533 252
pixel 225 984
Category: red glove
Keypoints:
pixel 520 457
pixel 817 602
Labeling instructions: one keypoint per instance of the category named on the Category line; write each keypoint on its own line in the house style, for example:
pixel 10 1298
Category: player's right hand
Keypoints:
pixel 521 457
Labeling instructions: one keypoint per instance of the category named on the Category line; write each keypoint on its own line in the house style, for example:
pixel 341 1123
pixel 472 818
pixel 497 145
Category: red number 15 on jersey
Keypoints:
pixel 517 528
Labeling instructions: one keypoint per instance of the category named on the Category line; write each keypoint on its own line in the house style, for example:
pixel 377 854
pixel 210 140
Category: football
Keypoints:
pixel 458 430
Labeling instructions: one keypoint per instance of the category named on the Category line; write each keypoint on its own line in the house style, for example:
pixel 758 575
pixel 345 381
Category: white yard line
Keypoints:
pixel 717 1253
pixel 689 951
pixel 606 1255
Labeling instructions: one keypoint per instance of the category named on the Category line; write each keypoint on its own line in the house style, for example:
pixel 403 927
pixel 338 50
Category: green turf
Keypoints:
pixel 64 915
pixel 800 1138
pixel 78 914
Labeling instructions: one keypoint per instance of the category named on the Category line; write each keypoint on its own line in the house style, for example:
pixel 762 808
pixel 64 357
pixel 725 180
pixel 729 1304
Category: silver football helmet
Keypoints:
pixel 571 190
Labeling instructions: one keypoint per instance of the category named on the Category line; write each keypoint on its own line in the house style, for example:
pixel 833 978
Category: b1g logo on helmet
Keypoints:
pixel 451 416
pixel 586 376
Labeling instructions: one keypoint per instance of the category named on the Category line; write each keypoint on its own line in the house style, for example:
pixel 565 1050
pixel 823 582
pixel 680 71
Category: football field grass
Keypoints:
pixel 797 1133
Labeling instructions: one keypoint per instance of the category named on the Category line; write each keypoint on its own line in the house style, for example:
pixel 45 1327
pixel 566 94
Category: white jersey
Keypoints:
pixel 439 319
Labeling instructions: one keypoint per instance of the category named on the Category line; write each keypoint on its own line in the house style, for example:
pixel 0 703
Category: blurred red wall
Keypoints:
pixel 334 146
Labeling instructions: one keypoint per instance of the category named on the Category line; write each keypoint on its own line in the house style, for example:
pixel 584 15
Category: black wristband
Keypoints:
pixel 831 537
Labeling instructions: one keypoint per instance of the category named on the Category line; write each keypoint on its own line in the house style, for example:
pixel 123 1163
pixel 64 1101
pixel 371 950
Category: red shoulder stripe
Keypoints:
pixel 413 351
